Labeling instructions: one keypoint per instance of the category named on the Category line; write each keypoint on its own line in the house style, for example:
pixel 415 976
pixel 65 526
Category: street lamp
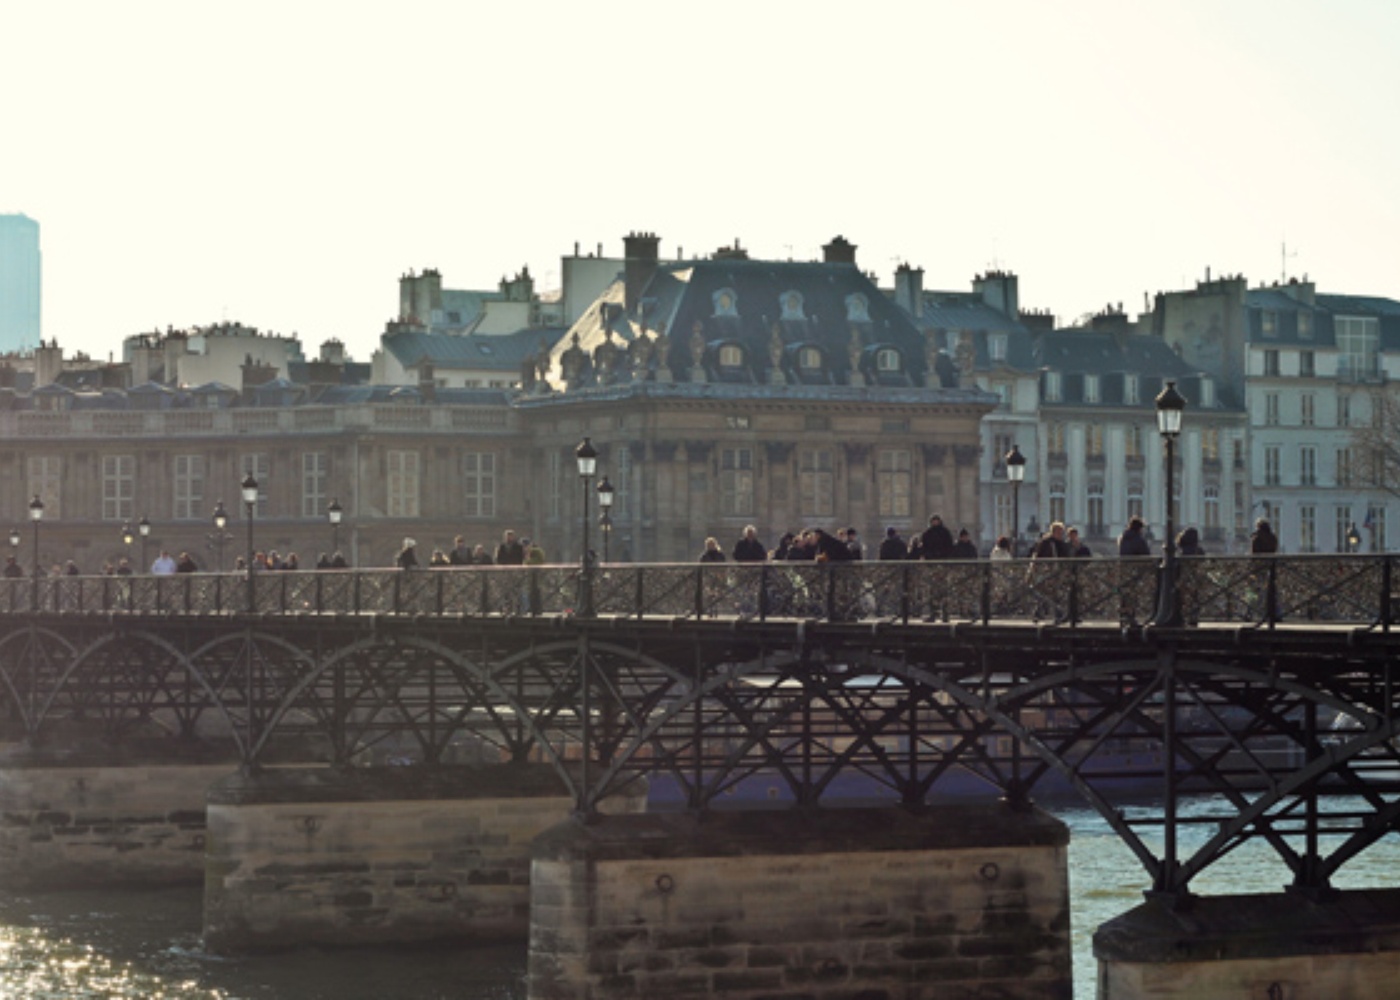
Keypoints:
pixel 250 503
pixel 36 514
pixel 333 514
pixel 587 457
pixel 220 536
pixel 605 502
pixel 143 527
pixel 1015 472
pixel 14 538
pixel 1170 405
pixel 1353 538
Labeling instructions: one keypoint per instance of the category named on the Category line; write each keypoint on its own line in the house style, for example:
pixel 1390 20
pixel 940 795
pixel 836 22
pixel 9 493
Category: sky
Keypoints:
pixel 281 164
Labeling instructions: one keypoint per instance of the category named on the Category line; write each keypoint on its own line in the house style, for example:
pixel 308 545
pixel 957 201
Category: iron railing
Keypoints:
pixel 1261 590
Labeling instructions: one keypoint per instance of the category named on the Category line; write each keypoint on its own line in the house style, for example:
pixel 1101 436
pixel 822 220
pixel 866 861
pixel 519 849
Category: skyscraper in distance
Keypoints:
pixel 20 275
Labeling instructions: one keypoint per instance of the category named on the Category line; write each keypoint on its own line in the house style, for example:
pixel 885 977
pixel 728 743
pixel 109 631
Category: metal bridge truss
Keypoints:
pixel 1291 732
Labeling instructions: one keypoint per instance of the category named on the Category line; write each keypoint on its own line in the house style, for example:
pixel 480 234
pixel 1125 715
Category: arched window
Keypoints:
pixel 887 360
pixel 1096 524
pixel 857 309
pixel 726 302
pixel 731 356
pixel 791 303
pixel 809 359
pixel 1057 500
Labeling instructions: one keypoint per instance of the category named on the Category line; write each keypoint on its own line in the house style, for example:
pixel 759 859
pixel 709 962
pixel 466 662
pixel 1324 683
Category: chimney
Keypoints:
pixel 909 289
pixel 839 251
pixel 1000 290
pixel 420 295
pixel 640 253
pixel 48 363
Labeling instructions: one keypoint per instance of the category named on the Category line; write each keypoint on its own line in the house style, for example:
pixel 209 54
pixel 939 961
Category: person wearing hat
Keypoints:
pixel 408 555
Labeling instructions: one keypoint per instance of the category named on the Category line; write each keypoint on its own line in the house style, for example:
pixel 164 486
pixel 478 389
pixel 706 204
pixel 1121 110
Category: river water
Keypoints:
pixel 115 946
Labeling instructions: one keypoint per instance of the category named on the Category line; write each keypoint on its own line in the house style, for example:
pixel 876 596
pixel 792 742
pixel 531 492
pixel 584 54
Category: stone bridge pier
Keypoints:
pixel 869 903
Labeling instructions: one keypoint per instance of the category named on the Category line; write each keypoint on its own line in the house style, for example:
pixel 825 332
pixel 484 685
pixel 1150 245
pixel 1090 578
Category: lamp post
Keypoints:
pixel 250 503
pixel 1170 405
pixel 143 528
pixel 14 538
pixel 333 514
pixel 605 502
pixel 1015 472
pixel 36 514
pixel 220 536
pixel 1353 538
pixel 587 457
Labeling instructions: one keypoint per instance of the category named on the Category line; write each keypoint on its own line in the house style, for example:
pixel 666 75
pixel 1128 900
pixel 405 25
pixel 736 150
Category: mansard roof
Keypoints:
pixel 1111 355
pixel 503 352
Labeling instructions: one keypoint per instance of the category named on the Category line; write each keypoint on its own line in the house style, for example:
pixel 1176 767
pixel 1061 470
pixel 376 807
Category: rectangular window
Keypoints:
pixel 479 484
pixel 1343 411
pixel 1307 364
pixel 1096 524
pixel 1271 409
pixel 1268 322
pixel 1055 438
pixel 1375 520
pixel 1307 409
pixel 1052 387
pixel 1271 363
pixel 1212 508
pixel 1002 507
pixel 1358 344
pixel 1305 325
pixel 1271 465
pixel 1240 508
pixel 1344 467
pixel 1133 441
pixel 1093 440
pixel 736 482
pixel 1210 444
pixel 1307 528
pixel 1135 505
pixel 1091 388
pixel 996 346
pixel 45 482
pixel 1342 525
pixel 894 481
pixel 189 487
pixel 260 467
pixel 314 466
pixel 1307 465
pixel 118 487
pixel 1130 390
pixel 403 469
pixel 1057 502
pixel 816 482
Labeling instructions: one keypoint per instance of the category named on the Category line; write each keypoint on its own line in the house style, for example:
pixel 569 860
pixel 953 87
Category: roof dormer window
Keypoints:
pixel 996 346
pixel 809 359
pixel 857 309
pixel 1207 392
pixel 1091 388
pixel 887 360
pixel 731 356
pixel 1052 386
pixel 726 302
pixel 791 302
pixel 1130 389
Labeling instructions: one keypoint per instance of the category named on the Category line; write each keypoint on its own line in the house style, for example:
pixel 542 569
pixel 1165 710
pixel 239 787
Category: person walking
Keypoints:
pixel 408 555
pixel 1263 541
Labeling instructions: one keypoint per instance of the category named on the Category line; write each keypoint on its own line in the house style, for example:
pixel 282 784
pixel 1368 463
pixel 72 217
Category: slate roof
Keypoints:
pixel 774 308
pixel 1326 308
pixel 503 353
pixel 968 312
pixel 1111 356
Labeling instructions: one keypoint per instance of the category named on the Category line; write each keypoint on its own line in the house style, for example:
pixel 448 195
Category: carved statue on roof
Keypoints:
pixel 571 361
pixel 640 352
pixel 966 356
pixel 775 347
pixel 697 343
pixel 853 350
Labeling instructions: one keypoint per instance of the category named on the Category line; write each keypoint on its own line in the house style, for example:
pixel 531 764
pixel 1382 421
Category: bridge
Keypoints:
pixel 816 684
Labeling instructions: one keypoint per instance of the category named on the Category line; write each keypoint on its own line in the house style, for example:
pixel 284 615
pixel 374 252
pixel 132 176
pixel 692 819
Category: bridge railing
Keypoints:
pixel 1260 590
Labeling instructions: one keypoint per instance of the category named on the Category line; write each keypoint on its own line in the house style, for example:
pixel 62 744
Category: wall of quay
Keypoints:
pixel 375 855
pixel 1275 946
pixel 835 904
pixel 78 822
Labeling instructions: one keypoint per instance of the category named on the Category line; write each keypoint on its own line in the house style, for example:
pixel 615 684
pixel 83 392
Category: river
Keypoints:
pixel 130 945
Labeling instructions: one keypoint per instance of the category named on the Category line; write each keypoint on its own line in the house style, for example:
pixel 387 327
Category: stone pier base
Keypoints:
pixel 1278 946
pixel 877 904
pixel 375 856
pixel 117 824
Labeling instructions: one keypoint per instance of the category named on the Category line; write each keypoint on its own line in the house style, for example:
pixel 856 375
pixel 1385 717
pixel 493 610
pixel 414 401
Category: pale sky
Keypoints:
pixel 282 163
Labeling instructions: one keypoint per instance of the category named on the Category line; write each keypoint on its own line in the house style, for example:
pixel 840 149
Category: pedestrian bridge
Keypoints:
pixel 904 682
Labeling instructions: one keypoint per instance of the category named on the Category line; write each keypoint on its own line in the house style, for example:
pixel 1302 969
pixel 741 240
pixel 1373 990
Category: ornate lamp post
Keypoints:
pixel 1353 538
pixel 36 514
pixel 128 536
pixel 333 514
pixel 220 536
pixel 143 528
pixel 250 503
pixel 1170 405
pixel 605 502
pixel 587 457
pixel 14 538
pixel 1015 473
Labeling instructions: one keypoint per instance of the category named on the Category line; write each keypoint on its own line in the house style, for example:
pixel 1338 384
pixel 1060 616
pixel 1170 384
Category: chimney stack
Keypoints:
pixel 839 251
pixel 909 289
pixel 639 264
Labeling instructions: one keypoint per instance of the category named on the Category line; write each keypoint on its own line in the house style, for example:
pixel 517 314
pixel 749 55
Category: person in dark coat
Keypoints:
pixel 1077 548
pixel 748 548
pixel 713 553
pixel 893 547
pixel 510 552
pixel 13 570
pixel 1188 543
pixel 1132 542
pixel 830 548
pixel 937 541
pixel 408 555
pixel 1263 541
pixel 964 547
pixel 1052 544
